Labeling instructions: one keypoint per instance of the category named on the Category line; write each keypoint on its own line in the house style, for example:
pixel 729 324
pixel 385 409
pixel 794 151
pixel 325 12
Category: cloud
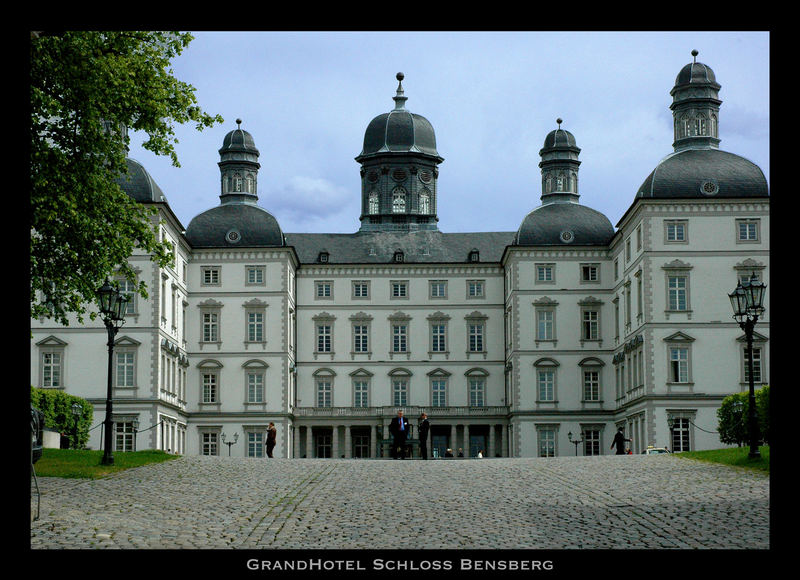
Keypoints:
pixel 305 200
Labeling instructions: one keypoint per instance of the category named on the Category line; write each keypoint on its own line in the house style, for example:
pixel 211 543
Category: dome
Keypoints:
pixel 564 223
pixel 704 173
pixel 695 73
pixel 399 131
pixel 238 140
pixel 559 138
pixel 139 185
pixel 234 224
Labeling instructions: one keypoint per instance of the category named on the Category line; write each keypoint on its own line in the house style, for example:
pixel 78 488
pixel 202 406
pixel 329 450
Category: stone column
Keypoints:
pixel 335 442
pixel 503 440
pixel 453 442
pixel 466 440
pixel 309 442
pixel 373 440
pixel 490 452
pixel 348 442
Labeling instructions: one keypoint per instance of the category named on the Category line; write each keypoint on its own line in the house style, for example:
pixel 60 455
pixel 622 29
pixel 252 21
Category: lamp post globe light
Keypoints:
pixel 76 413
pixel 112 310
pixel 575 442
pixel 229 443
pixel 747 301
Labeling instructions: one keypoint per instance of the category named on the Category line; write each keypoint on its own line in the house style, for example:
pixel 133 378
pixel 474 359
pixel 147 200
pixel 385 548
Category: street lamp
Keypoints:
pixel 76 412
pixel 112 309
pixel 747 302
pixel 575 442
pixel 229 443
pixel 135 425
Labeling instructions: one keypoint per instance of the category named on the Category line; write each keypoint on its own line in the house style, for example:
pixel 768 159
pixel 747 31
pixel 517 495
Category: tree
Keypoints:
pixel 87 90
pixel 732 415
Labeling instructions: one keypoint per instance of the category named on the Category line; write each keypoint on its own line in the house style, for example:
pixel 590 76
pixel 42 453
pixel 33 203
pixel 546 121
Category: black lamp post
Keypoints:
pixel 575 442
pixel 112 309
pixel 229 443
pixel 135 425
pixel 748 304
pixel 76 412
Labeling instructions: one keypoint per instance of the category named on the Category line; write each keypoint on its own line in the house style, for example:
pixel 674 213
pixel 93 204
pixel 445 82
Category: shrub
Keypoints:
pixel 57 409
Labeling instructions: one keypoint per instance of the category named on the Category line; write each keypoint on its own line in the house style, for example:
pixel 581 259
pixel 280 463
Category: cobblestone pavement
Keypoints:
pixel 639 502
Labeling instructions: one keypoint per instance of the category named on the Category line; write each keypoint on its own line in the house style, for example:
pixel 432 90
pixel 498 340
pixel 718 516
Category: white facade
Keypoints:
pixel 517 354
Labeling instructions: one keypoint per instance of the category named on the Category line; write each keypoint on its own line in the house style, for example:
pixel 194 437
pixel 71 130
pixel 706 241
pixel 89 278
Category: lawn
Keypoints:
pixel 736 456
pixel 86 464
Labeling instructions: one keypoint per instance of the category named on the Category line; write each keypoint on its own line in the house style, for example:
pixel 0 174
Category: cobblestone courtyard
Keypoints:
pixel 628 502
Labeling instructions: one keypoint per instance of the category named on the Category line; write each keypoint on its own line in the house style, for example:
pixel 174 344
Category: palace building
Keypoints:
pixel 516 344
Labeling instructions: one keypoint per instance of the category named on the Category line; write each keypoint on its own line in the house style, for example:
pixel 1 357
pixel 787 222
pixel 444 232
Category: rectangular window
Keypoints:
pixel 474 288
pixel 677 292
pixel 255 275
pixel 399 289
pixel 476 337
pixel 210 276
pixel 123 436
pixel 477 392
pixel 324 393
pixel 129 290
pixel 360 289
pixel 255 326
pixel 544 273
pixel 255 388
pixel 676 231
pixel 51 370
pixel 210 327
pixel 591 442
pixel 591 385
pixel 323 338
pixel 546 385
pixel 544 325
pixel 438 289
pixel 547 443
pixel 361 394
pixel 590 272
pixel 680 435
pixel 679 365
pixel 590 324
pixel 747 230
pixel 360 338
pixel 324 289
pixel 125 369
pixel 438 393
pixel 210 444
pixel 438 332
pixel 209 388
pixel 399 338
pixel 399 392
pixel 255 444
pixel 756 365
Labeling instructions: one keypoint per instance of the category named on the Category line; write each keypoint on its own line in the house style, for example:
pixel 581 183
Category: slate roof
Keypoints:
pixel 253 226
pixel 545 225
pixel 139 185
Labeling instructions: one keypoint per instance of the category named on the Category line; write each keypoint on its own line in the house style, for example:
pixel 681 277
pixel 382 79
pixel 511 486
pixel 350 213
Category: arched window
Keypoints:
pixel 248 184
pixel 373 203
pixel 399 200
pixel 237 182
pixel 424 202
pixel 548 184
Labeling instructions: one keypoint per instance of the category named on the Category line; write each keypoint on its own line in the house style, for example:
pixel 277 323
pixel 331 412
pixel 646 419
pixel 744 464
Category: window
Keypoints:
pixel 51 370
pixel 439 393
pixel 399 200
pixel 591 385
pixel 373 203
pixel 475 331
pixel 360 289
pixel 590 327
pixel 323 338
pixel 360 393
pixel 544 324
pixel 123 440
pixel 399 392
pixel 545 272
pixel 475 289
pixel 255 444
pixel 210 327
pixel 675 231
pixel 477 392
pixel 360 338
pixel 545 379
pixel 399 338
pixel 639 238
pixel 125 368
pixel 209 444
pixel 210 387
pixel 255 387
pixel 591 442
pixel 679 364
pixel 627 249
pixel 680 434
pixel 255 326
pixel 438 289
pixel 424 203
pixel 438 336
pixel 590 273
pixel 677 292
pixel 747 230
pixel 399 289
pixel 756 365
pixel 254 275
pixel 547 442
pixel 210 276
pixel 324 392
pixel 128 289
pixel 324 289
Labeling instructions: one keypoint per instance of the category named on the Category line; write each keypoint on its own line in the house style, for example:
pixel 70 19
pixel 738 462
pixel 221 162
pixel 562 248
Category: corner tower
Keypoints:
pixel 399 171
pixel 695 106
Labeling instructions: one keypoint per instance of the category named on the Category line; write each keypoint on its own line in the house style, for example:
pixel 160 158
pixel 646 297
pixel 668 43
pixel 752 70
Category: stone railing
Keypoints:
pixel 412 412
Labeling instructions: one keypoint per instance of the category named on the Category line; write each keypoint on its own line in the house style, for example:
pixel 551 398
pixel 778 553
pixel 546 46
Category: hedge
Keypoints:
pixel 57 408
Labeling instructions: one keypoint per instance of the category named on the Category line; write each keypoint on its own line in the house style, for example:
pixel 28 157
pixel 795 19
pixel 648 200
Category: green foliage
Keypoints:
pixel 733 413
pixel 88 88
pixel 87 464
pixel 57 409
pixel 734 456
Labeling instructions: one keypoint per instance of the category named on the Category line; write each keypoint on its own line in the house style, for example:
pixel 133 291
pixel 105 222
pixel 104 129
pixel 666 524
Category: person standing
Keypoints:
pixel 423 428
pixel 619 442
pixel 399 431
pixel 272 434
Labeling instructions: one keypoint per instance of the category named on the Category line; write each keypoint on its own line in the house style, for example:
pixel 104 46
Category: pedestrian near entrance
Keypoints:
pixel 423 428
pixel 272 434
pixel 399 431
pixel 619 442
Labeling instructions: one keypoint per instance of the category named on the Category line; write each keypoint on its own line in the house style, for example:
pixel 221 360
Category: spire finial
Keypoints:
pixel 238 124
pixel 694 55
pixel 559 121
pixel 399 98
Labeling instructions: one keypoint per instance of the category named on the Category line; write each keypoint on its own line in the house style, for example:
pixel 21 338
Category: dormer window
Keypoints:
pixel 474 256
pixel 323 258
pixel 399 256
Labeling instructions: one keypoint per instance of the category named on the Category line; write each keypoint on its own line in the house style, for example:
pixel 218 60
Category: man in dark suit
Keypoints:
pixel 422 430
pixel 399 430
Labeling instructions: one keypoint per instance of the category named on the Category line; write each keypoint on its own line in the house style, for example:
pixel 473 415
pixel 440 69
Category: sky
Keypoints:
pixel 492 97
